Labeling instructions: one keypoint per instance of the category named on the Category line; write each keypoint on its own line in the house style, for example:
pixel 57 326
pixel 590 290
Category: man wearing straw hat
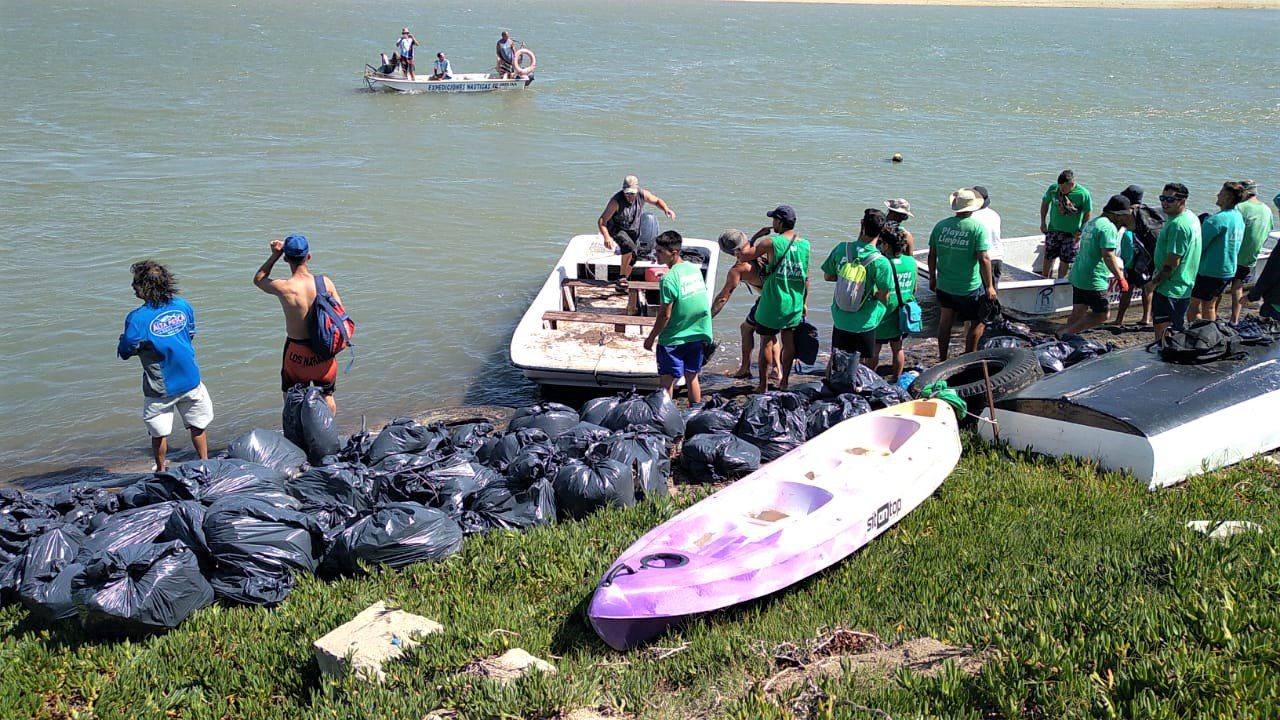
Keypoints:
pixel 960 270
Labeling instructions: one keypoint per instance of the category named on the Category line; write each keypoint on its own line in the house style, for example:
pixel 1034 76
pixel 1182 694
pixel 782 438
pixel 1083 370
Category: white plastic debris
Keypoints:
pixel 371 639
pixel 1222 529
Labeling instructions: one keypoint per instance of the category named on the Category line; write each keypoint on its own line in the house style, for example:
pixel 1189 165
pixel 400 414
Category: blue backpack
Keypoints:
pixel 331 327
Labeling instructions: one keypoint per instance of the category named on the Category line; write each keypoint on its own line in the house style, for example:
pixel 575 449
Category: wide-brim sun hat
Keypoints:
pixel 965 200
pixel 900 206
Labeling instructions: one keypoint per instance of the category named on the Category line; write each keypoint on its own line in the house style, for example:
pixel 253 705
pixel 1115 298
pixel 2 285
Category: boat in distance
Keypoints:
pixel 460 83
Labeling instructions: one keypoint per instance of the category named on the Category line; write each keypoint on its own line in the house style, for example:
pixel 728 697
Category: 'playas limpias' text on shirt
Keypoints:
pixel 958 238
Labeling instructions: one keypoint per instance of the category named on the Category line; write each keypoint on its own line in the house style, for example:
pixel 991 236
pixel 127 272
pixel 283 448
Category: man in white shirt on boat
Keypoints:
pixel 405 46
pixel 442 70
pixel 990 219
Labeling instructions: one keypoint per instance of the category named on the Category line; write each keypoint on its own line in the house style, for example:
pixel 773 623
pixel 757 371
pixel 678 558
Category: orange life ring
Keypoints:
pixel 525 69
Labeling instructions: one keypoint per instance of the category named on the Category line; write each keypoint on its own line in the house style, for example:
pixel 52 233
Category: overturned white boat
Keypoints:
pixel 584 329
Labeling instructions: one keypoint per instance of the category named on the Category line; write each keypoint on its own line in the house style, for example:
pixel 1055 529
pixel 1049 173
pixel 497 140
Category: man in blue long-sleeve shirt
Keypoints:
pixel 159 333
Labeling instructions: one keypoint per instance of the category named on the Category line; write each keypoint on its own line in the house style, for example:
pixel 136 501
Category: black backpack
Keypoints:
pixel 1147 224
pixel 1202 341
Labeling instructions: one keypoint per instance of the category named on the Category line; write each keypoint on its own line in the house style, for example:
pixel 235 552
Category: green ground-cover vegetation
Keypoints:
pixel 1082 591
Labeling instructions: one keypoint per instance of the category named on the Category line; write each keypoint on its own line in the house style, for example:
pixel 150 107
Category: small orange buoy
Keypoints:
pixel 897 157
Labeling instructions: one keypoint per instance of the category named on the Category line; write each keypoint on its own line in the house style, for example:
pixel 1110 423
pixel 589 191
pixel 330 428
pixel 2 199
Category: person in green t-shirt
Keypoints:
pixel 784 291
pixel 683 326
pixel 1221 235
pixel 1258 224
pixel 855 330
pixel 960 271
pixel 1068 207
pixel 1177 257
pixel 893 244
pixel 1096 265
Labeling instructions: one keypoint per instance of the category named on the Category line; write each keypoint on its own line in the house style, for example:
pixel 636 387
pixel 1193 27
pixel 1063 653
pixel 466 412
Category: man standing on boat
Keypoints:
pixel 784 291
pixel 620 222
pixel 960 271
pixel 160 333
pixel 442 70
pixel 405 46
pixel 1177 259
pixel 1097 262
pixel 1258 224
pixel 297 293
pixel 506 50
pixel 990 220
pixel 683 326
pixel 746 273
pixel 1221 236
pixel 1069 207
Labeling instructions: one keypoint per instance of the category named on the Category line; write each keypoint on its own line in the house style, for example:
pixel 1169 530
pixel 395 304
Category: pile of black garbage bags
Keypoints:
pixel 140 553
pixel 1055 354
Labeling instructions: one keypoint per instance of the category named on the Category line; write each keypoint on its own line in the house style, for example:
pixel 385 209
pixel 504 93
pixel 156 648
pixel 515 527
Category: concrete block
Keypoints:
pixel 371 639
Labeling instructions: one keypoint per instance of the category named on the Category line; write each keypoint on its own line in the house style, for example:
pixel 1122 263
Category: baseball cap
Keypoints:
pixel 1118 204
pixel 982 191
pixel 785 213
pixel 631 184
pixel 1250 186
pixel 1133 192
pixel 295 246
pixel 899 205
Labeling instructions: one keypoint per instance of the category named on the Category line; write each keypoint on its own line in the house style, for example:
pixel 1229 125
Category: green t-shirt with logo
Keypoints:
pixel 956 242
pixel 879 277
pixel 1180 236
pixel 905 268
pixel 1063 222
pixel 683 288
pixel 1221 235
pixel 1126 247
pixel 1089 272
pixel 1258 224
pixel 782 293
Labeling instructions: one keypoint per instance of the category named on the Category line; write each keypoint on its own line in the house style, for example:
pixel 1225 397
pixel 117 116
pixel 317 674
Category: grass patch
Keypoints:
pixel 1083 591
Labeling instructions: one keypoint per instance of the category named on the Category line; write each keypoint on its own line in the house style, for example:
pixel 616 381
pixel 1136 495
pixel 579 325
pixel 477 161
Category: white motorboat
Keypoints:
pixel 1026 294
pixel 583 329
pixel 464 82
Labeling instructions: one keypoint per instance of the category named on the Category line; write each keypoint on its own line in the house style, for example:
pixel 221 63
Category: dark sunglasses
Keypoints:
pixel 1171 198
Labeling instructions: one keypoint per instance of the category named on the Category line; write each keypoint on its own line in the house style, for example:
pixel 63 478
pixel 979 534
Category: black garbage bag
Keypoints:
pixel 534 462
pixel 594 411
pixel 719 457
pixel 395 535
pixel 186 525
pixel 584 486
pixel 774 422
pixel 656 411
pixel 250 538
pixel 575 441
pixel 1052 356
pixel 208 480
pixel 822 415
pixel 1083 349
pixel 45 573
pixel 470 435
pixel 810 391
pixel 630 409
pixel 883 396
pixel 406 435
pixel 444 485
pixel 497 452
pixel 270 448
pixel 129 527
pixel 83 500
pixel 710 420
pixel 551 418
pixel 308 423
pixel 340 483
pixel 16 534
pixel 251 587
pixel 846 373
pixel 142 588
pixel 1003 341
pixel 500 506
pixel 1003 327
pixel 405 462
pixel 644 452
pixel 356 447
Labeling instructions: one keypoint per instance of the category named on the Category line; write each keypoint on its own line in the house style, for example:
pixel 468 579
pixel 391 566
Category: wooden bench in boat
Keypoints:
pixel 569 289
pixel 619 322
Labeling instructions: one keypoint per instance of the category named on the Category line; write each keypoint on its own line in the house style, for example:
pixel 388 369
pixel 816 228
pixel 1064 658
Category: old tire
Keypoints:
pixel 1011 369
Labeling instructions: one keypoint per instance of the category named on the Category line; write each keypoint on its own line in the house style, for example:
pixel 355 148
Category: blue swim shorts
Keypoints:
pixel 679 360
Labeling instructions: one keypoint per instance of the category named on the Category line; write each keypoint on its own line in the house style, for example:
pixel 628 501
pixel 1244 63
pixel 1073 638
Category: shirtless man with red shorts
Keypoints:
pixel 300 365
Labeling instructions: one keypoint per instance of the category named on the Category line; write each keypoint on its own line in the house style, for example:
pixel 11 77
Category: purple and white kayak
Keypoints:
pixel 802 513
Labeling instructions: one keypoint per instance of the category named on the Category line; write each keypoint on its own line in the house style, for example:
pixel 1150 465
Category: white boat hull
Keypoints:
pixel 468 82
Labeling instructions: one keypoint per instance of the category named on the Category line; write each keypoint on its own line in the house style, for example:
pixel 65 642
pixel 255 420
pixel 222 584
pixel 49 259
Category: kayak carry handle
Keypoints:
pixel 663 561
pixel 608 579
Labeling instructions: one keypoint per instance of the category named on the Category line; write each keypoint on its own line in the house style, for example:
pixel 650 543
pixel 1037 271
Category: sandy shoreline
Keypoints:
pixel 1106 4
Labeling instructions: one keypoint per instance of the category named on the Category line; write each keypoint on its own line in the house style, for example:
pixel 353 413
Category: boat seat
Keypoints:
pixel 620 322
pixel 569 289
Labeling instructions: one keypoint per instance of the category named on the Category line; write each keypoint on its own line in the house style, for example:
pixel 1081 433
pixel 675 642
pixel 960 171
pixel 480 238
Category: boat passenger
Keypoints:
pixel 893 244
pixel 1098 261
pixel 442 70
pixel 1177 258
pixel 1221 236
pixel 682 328
pixel 1137 243
pixel 405 46
pixel 784 293
pixel 742 273
pixel 898 211
pixel 960 271
pixel 1069 206
pixel 297 293
pixel 506 50
pixel 1258 224
pixel 859 262
pixel 620 222
pixel 990 219
pixel 389 66
pixel 159 332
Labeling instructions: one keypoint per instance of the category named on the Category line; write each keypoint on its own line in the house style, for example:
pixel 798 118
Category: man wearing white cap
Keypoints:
pixel 959 270
pixel 620 222
pixel 898 211
pixel 405 46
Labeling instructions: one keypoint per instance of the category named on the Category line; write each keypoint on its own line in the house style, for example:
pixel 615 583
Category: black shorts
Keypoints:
pixel 1243 273
pixel 625 241
pixel 964 306
pixel 863 343
pixel 1169 310
pixel 1135 280
pixel 1209 288
pixel 766 331
pixel 1095 299
pixel 751 314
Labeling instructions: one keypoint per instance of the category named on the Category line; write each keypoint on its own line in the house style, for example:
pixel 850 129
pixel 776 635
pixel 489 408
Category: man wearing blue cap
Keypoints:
pixel 301 365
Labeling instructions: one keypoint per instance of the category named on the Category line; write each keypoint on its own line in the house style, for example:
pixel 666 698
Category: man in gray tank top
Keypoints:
pixel 620 222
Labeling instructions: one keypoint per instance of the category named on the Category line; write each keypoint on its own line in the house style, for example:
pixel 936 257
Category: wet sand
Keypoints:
pixel 1107 4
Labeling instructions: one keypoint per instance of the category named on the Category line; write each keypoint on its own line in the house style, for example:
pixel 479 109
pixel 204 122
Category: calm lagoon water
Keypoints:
pixel 195 132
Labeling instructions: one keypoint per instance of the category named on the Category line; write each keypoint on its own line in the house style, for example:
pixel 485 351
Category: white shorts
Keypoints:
pixel 195 407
